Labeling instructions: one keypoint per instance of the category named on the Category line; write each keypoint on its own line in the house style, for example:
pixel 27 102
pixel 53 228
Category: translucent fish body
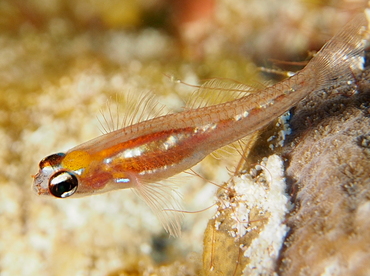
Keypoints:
pixel 141 155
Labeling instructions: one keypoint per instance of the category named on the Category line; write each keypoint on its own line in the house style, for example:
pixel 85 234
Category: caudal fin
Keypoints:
pixel 342 56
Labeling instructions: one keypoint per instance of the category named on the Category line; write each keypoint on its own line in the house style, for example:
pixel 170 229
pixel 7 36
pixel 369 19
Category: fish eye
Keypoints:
pixel 63 184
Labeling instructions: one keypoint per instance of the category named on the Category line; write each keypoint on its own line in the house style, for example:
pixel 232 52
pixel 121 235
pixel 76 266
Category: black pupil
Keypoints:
pixel 63 184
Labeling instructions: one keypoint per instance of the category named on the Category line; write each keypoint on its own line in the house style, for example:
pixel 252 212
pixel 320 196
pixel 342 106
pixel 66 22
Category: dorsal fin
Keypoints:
pixel 129 108
pixel 219 90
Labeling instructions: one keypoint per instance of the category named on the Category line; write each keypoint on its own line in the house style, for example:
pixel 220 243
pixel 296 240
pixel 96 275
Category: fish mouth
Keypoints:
pixel 40 184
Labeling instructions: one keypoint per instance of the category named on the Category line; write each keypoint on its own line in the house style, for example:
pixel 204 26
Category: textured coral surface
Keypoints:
pixel 329 173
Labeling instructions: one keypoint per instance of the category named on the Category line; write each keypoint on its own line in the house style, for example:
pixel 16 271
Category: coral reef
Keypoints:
pixel 320 227
pixel 329 175
pixel 61 62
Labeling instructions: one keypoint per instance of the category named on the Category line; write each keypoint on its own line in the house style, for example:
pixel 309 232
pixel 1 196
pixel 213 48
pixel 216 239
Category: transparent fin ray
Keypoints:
pixel 130 108
pixel 217 91
pixel 161 198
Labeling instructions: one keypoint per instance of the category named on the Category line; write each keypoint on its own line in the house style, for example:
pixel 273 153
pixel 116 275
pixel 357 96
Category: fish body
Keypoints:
pixel 139 156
